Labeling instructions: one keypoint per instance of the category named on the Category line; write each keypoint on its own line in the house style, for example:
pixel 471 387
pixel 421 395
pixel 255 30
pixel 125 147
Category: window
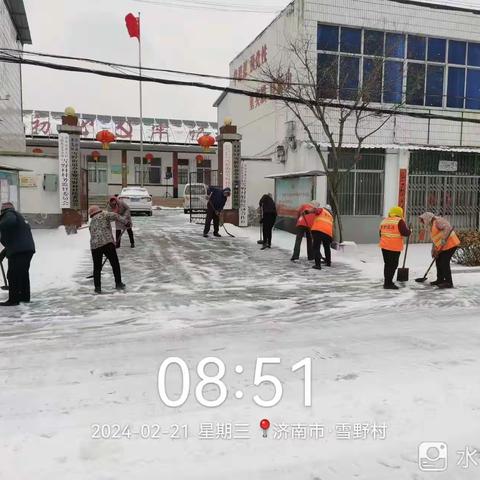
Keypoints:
pixel 416 47
pixel 437 48
pixel 327 75
pixel 395 45
pixel 457 52
pixel 372 80
pixel 327 38
pixel 415 83
pixel 349 77
pixel 473 89
pixel 373 43
pixel 393 84
pixel 434 94
pixel 474 54
pixel 152 171
pixel 350 40
pixel 456 87
pixel 182 175
pixel 361 191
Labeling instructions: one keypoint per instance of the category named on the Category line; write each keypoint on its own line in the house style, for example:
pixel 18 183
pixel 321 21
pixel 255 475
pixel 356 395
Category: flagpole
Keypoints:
pixel 142 172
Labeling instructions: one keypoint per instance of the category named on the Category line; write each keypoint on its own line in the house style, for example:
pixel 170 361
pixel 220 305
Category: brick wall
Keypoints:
pixel 12 137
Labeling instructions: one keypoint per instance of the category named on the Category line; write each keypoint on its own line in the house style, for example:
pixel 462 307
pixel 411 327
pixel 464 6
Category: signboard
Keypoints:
pixel 402 188
pixel 447 166
pixel 243 211
pixel 290 193
pixel 64 169
pixel 75 172
pixel 228 171
pixel 44 124
pixel 28 181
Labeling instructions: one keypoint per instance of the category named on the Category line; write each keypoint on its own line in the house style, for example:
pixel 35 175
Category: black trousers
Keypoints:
pixel 320 238
pixel 211 215
pixel 444 274
pixel 110 252
pixel 19 277
pixel 119 237
pixel 391 260
pixel 303 232
pixel 268 223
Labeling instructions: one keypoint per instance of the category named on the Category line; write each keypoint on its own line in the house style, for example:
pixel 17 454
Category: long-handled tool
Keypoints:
pixel 403 273
pixel 422 279
pixel 5 286
pixel 260 242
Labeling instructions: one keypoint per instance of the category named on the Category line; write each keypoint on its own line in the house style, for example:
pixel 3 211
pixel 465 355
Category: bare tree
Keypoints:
pixel 326 96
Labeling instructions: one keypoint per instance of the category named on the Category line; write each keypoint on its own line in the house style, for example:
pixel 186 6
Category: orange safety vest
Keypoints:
pixel 390 236
pixel 323 223
pixel 437 237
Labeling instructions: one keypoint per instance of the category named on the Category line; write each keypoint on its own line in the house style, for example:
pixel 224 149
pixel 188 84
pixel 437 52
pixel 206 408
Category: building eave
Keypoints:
pixel 16 8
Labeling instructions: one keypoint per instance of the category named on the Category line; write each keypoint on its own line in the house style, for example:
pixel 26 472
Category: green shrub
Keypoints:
pixel 468 253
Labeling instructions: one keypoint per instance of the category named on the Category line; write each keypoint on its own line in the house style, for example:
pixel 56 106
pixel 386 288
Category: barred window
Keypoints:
pixel 361 189
pixel 152 171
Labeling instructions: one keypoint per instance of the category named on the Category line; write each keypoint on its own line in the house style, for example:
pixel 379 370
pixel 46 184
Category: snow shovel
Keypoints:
pixel 403 273
pixel 422 279
pixel 260 242
pixel 5 287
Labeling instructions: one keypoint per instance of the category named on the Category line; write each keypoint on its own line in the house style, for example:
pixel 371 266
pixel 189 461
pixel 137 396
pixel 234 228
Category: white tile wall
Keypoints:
pixel 12 137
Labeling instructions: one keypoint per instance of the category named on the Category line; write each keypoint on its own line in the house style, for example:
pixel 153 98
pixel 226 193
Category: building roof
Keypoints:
pixel 20 21
pixel 306 173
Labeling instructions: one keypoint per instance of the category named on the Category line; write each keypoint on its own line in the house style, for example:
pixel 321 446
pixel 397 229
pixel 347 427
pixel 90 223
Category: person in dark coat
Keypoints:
pixel 269 215
pixel 217 199
pixel 16 237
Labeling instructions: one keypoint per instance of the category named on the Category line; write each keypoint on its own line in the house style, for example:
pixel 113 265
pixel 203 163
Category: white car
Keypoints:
pixel 138 199
pixel 195 197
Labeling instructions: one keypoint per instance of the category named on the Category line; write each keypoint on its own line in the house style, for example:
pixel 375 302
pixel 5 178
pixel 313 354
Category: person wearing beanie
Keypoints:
pixel 16 237
pixel 303 226
pixel 102 243
pixel 269 215
pixel 322 233
pixel 217 199
pixel 119 206
pixel 392 229
pixel 445 243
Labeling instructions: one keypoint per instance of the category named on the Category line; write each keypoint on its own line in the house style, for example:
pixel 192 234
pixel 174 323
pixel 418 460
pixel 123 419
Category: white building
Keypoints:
pixel 14 33
pixel 430 64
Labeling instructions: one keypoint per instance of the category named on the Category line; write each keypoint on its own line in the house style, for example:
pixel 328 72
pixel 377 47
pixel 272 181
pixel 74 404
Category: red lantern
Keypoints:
pixel 95 155
pixel 106 138
pixel 206 142
pixel 37 151
pixel 199 158
pixel 149 157
pixel 265 425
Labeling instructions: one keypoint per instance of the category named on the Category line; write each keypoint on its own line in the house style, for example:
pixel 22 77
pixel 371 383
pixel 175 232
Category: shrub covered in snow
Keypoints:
pixel 468 253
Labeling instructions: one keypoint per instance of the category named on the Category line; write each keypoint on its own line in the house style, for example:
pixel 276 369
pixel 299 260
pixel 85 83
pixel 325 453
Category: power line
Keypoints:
pixel 210 5
pixel 236 91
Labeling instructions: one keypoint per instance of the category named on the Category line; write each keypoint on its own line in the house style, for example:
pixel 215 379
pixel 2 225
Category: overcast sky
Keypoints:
pixel 175 38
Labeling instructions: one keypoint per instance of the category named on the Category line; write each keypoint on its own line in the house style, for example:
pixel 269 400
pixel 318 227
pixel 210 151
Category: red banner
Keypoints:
pixel 402 188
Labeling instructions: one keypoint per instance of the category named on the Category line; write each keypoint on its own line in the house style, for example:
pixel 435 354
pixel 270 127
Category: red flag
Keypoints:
pixel 133 25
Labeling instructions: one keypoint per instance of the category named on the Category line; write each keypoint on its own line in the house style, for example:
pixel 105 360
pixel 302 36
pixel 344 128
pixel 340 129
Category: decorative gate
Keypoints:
pixel 454 195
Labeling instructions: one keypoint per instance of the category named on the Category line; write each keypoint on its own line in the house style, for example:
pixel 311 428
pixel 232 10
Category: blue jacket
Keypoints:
pixel 15 233
pixel 217 198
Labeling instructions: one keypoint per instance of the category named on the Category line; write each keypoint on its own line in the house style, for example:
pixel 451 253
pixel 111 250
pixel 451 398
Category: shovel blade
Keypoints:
pixel 402 275
pixel 420 280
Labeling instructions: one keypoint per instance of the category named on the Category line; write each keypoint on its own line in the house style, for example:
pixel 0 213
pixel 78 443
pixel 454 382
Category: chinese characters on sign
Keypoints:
pixel 64 169
pixel 44 124
pixel 272 88
pixel 75 172
pixel 402 188
pixel 228 170
pixel 256 60
pixel 243 211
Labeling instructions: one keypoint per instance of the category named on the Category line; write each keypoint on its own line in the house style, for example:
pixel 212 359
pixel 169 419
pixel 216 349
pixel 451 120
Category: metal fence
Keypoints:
pixel 452 196
pixel 196 200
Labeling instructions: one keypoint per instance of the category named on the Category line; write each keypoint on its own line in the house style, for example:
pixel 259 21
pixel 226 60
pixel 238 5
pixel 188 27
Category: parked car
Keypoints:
pixel 138 199
pixel 195 197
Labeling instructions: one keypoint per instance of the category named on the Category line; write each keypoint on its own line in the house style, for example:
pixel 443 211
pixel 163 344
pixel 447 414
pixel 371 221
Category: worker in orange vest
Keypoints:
pixel 304 224
pixel 392 230
pixel 445 243
pixel 322 233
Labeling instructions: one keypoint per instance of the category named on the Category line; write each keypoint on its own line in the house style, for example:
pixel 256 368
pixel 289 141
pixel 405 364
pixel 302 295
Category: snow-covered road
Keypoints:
pixel 70 360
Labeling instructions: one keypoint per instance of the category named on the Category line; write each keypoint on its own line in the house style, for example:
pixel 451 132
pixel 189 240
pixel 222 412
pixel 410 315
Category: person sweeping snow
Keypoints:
pixel 304 224
pixel 217 199
pixel 269 215
pixel 102 243
pixel 392 229
pixel 322 233
pixel 445 243
pixel 119 206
